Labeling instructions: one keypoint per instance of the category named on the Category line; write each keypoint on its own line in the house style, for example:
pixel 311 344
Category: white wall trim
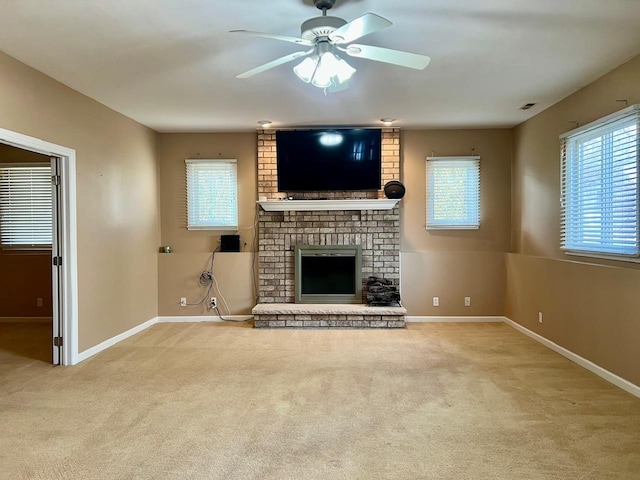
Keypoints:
pixel 202 318
pixel 610 377
pixel 90 352
pixel 433 319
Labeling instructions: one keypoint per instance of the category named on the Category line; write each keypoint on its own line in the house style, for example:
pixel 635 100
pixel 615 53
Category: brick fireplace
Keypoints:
pixel 377 231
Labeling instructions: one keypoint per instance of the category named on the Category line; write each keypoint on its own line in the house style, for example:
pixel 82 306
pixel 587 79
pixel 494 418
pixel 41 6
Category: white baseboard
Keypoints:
pixel 469 319
pixel 203 318
pixel 620 382
pixel 90 352
pixel 143 326
pixel 26 319
pixel 610 377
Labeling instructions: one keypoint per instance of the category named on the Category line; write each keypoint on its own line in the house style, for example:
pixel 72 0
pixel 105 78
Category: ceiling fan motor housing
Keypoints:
pixel 322 4
pixel 319 27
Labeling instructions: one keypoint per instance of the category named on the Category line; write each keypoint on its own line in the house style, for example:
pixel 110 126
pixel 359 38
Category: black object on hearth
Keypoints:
pixel 382 293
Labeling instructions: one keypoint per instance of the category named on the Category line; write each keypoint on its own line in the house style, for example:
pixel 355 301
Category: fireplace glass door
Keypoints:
pixel 328 274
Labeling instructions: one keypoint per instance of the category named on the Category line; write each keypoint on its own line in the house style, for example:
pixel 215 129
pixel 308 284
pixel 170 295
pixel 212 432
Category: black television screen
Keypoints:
pixel 328 159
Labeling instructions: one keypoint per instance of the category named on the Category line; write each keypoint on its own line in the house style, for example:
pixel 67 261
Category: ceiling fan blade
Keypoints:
pixel 387 55
pixel 274 63
pixel 284 38
pixel 361 26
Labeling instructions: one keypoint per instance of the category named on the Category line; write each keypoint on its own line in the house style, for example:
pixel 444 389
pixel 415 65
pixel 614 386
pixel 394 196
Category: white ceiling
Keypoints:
pixel 171 64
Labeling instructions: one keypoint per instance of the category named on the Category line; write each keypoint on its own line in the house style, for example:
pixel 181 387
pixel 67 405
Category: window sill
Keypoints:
pixel 615 258
pixel 454 228
pixel 219 229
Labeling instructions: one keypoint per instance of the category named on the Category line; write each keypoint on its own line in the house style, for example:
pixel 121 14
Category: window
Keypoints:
pixel 25 205
pixel 453 193
pixel 599 177
pixel 212 194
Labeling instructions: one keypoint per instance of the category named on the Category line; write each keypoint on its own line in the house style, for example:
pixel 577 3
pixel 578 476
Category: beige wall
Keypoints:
pixel 451 276
pixel 589 306
pixel 180 270
pixel 117 196
pixel 592 310
pixel 452 264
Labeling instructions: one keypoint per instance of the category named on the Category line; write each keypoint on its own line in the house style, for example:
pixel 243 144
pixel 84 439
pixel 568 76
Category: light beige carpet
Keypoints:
pixel 217 401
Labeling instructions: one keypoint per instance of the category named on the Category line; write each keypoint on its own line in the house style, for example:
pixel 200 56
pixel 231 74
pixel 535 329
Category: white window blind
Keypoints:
pixel 25 205
pixel 599 177
pixel 212 194
pixel 453 192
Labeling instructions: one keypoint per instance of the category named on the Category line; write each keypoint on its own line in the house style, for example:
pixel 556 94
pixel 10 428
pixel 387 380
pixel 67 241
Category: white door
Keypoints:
pixel 56 262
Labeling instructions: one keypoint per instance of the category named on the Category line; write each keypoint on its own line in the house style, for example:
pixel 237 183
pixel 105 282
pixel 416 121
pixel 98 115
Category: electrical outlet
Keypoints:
pixel 436 301
pixel 214 302
pixel 39 302
pixel 539 317
pixel 183 301
pixel 467 301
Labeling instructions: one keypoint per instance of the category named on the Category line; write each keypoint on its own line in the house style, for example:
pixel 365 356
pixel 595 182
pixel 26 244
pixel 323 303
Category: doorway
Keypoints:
pixel 63 259
pixel 26 227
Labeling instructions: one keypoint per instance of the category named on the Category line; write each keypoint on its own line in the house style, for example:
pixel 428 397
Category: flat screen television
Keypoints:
pixel 328 160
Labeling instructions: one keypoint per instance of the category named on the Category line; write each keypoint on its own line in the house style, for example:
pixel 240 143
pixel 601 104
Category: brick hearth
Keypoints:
pixel 328 316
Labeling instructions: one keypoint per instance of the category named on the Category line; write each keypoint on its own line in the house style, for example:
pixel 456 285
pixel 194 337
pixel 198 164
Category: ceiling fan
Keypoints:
pixel 328 36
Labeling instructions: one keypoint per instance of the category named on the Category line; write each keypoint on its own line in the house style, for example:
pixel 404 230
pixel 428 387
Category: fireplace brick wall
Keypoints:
pixel 377 231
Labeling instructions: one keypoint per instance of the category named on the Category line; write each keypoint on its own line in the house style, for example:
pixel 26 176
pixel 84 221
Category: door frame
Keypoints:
pixel 68 233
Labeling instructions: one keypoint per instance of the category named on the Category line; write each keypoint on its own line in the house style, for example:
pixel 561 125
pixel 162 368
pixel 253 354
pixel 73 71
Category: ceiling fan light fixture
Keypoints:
pixel 327 69
pixel 344 70
pixel 324 70
pixel 306 69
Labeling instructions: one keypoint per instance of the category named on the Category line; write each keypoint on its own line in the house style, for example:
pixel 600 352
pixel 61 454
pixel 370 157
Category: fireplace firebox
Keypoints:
pixel 328 274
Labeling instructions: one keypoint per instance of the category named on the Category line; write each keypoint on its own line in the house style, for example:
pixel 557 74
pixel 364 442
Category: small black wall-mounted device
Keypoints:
pixel 229 243
pixel 394 189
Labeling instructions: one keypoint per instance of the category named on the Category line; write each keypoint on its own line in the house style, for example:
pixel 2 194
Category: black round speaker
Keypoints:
pixel 394 189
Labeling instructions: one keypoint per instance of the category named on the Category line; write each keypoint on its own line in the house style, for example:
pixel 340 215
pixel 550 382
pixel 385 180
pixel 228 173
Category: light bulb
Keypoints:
pixel 305 69
pixel 344 71
pixel 324 72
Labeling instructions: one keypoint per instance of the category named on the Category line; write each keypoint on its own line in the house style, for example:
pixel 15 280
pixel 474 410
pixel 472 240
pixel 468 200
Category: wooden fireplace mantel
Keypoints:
pixel 312 205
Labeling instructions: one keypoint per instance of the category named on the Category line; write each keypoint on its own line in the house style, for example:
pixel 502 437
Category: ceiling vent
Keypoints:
pixel 527 106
